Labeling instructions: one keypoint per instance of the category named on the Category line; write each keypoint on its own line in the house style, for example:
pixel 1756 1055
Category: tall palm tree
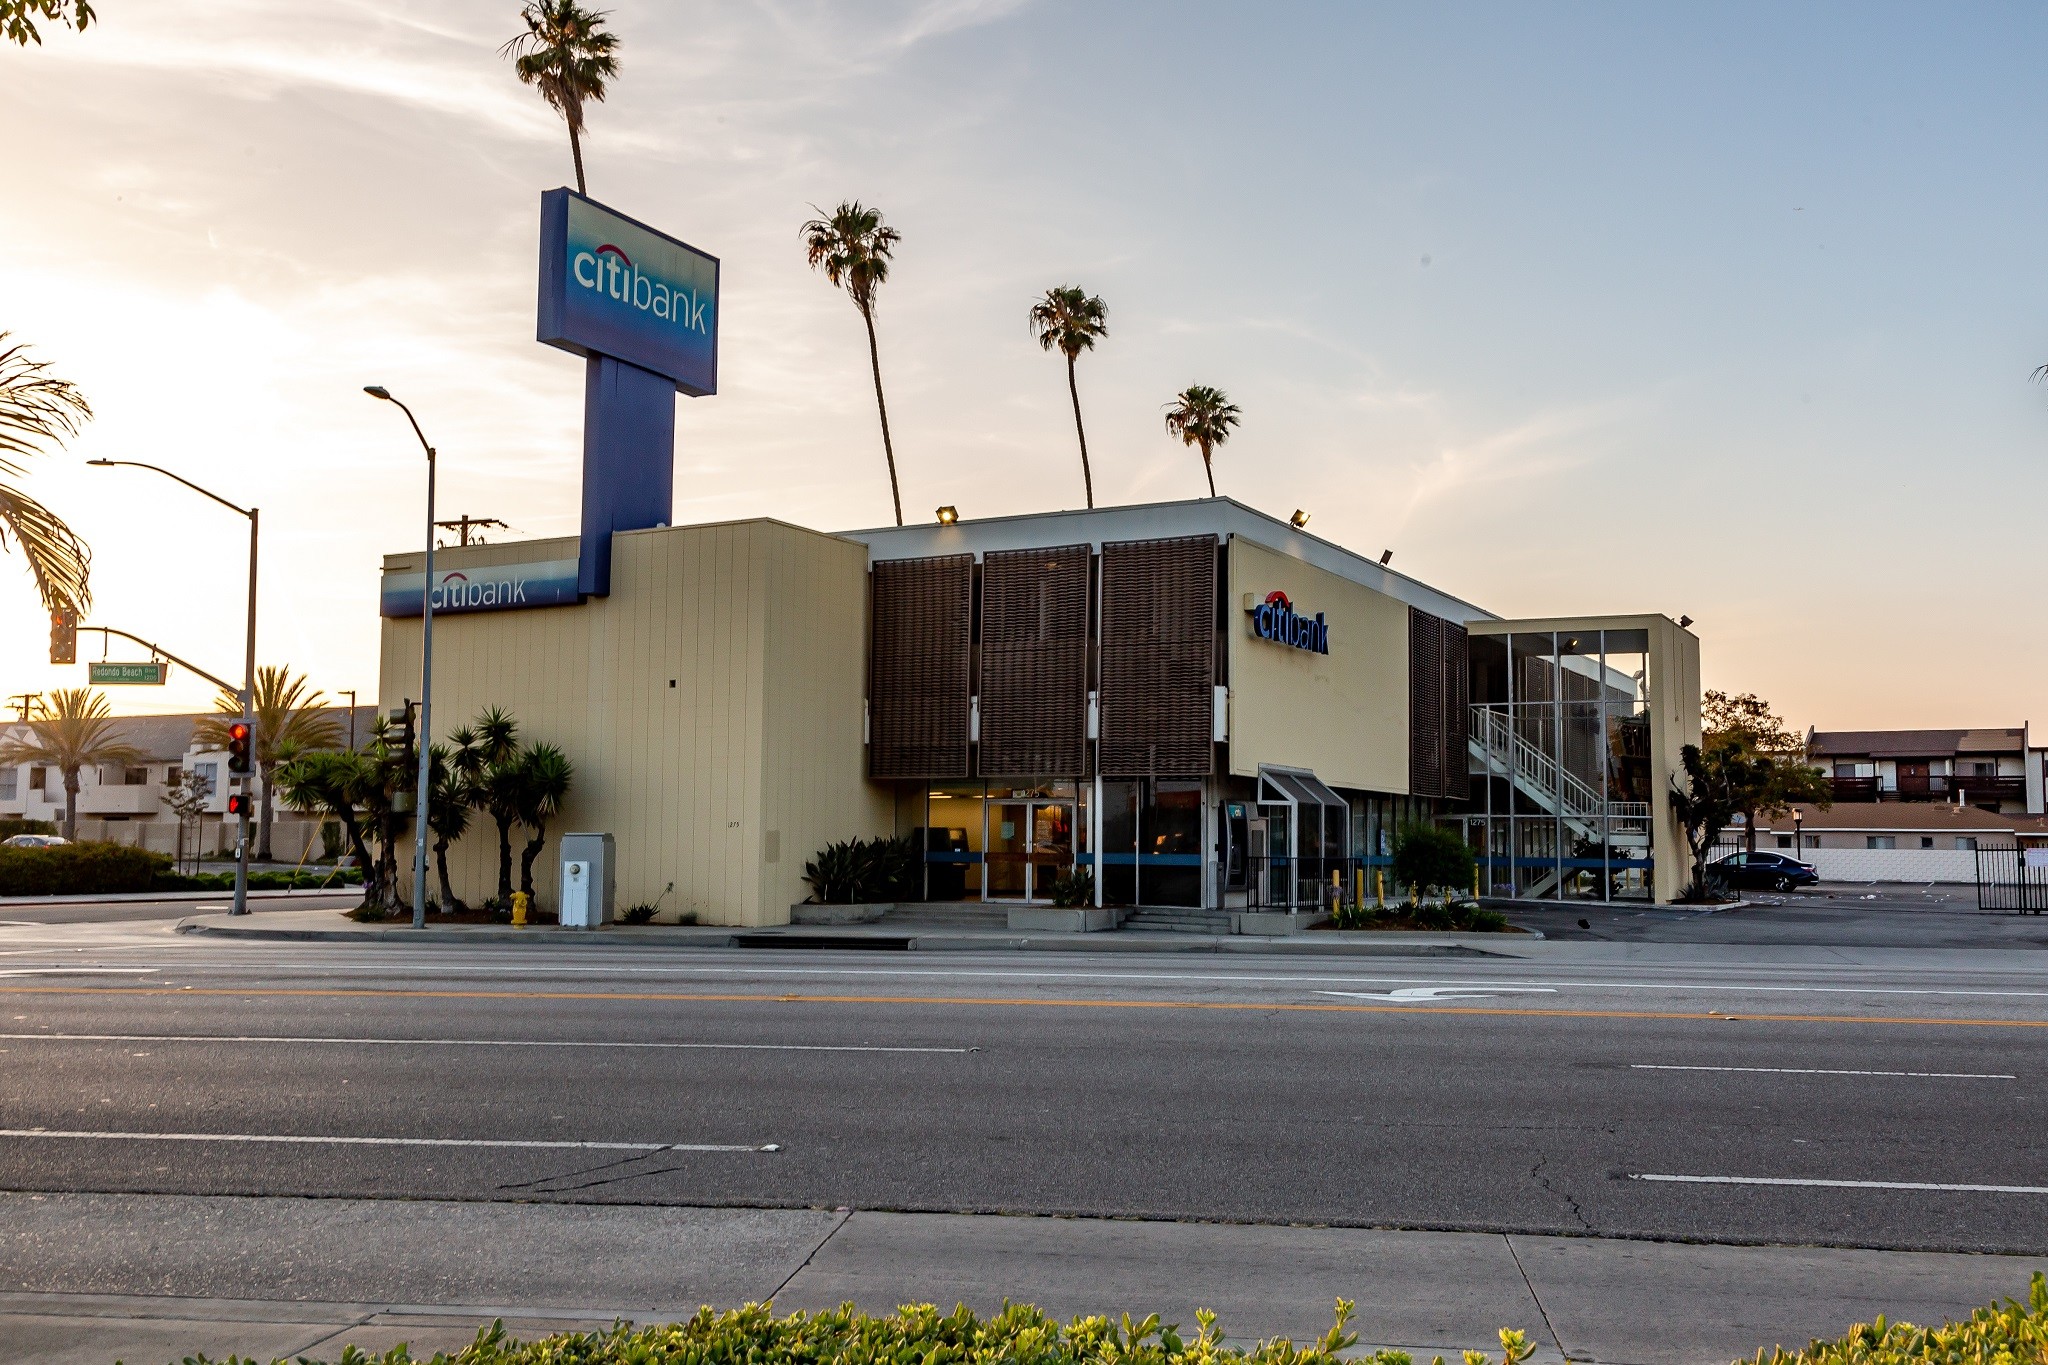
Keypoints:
pixel 1202 416
pixel 568 54
pixel 76 731
pixel 1071 319
pixel 490 760
pixel 289 719
pixel 544 777
pixel 353 788
pixel 37 411
pixel 853 247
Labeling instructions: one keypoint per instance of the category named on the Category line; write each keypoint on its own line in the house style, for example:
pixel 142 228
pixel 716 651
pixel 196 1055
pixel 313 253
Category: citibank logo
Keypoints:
pixel 609 271
pixel 1276 619
pixel 455 590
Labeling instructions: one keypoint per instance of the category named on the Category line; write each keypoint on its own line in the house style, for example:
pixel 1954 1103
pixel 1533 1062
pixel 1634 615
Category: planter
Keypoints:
pixel 1050 919
pixel 839 914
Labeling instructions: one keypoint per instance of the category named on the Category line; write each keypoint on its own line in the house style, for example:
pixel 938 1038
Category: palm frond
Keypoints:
pixel 853 247
pixel 60 562
pixel 1070 319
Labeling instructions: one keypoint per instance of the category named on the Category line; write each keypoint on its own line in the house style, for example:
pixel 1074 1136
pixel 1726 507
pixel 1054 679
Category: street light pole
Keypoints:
pixel 426 730
pixel 241 905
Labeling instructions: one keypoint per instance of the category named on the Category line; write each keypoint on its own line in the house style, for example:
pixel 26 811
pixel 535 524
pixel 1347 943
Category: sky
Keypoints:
pixel 1724 310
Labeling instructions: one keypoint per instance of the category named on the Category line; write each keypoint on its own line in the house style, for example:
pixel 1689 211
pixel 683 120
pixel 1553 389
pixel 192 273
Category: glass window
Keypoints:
pixel 1119 843
pixel 1784 841
pixel 36 778
pixel 1880 841
pixel 10 781
pixel 953 843
pixel 1927 841
pixel 1489 668
pixel 1966 842
pixel 1171 834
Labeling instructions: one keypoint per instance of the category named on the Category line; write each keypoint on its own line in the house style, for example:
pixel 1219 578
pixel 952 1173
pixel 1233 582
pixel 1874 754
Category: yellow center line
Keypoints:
pixel 1239 1006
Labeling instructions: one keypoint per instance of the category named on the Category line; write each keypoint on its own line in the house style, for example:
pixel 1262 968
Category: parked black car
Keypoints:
pixel 1767 871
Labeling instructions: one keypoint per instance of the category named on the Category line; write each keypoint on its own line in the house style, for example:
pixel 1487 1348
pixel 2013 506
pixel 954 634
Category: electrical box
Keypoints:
pixel 595 883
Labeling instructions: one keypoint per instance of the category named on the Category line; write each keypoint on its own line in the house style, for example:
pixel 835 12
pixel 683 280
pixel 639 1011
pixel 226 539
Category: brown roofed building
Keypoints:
pixel 1996 769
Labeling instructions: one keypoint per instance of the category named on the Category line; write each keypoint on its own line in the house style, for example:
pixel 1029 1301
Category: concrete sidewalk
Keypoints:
pixel 93 1278
pixel 336 926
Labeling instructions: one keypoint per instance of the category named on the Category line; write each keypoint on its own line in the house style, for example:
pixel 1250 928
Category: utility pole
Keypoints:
pixel 463 524
pixel 350 693
pixel 26 704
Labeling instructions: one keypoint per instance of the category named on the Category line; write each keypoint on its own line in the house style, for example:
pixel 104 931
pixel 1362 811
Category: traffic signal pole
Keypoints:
pixel 241 905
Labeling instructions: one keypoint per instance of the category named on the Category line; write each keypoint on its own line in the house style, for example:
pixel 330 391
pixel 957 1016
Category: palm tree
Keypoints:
pixel 351 787
pixel 1071 319
pixel 448 807
pixel 491 767
pixel 544 777
pixel 76 732
pixel 1202 416
pixel 853 247
pixel 567 53
pixel 289 720
pixel 38 411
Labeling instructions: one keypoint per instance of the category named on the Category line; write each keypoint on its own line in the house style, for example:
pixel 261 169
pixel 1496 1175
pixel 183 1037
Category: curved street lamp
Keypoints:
pixel 426 730
pixel 241 905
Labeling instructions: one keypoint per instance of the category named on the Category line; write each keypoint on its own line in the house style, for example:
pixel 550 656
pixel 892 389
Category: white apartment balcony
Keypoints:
pixel 101 801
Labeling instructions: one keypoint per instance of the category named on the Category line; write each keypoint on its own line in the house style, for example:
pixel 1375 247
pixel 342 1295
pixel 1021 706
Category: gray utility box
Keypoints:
pixel 588 891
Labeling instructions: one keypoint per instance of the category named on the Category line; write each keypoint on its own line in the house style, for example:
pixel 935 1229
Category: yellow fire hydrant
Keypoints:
pixel 519 909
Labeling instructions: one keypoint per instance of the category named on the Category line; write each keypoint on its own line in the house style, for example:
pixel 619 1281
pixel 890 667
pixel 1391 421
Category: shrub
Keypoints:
pixel 1432 858
pixel 80 870
pixel 914 1333
pixel 2015 1332
pixel 863 871
pixel 1073 887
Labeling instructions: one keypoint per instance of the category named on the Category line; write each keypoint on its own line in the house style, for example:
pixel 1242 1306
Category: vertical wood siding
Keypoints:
pixel 1034 662
pixel 1157 693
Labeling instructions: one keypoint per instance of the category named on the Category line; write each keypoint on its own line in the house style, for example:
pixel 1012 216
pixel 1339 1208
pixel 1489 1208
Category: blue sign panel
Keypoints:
pixel 1276 619
pixel 483 587
pixel 612 287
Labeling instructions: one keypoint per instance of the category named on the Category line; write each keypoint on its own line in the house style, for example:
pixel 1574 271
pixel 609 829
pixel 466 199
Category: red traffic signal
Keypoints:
pixel 238 747
pixel 235 800
pixel 64 636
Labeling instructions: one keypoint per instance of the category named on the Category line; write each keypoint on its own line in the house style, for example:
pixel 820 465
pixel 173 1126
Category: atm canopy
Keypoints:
pixel 1295 787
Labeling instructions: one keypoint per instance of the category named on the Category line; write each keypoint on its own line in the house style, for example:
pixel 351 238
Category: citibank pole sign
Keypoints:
pixel 483 587
pixel 1276 619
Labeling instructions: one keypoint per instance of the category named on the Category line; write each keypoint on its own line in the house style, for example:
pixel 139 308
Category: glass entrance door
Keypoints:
pixel 1028 843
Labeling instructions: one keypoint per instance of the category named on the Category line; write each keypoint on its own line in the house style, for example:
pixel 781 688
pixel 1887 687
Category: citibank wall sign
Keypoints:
pixel 611 286
pixel 484 587
pixel 1276 619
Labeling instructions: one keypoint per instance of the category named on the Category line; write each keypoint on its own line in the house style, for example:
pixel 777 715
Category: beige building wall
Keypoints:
pixel 1674 722
pixel 711 706
pixel 1343 714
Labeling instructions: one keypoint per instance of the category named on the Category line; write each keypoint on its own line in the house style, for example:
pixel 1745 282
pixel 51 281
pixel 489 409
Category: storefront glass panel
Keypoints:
pixel 1119 843
pixel 1170 869
pixel 953 831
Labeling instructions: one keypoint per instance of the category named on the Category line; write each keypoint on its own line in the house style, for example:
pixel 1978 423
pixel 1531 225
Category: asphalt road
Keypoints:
pixel 1723 1094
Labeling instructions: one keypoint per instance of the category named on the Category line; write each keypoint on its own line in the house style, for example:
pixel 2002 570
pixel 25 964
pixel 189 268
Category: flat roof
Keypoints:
pixel 1916 743
pixel 1219 517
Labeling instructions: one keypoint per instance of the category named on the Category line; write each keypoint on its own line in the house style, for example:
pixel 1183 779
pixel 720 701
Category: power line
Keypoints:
pixel 464 524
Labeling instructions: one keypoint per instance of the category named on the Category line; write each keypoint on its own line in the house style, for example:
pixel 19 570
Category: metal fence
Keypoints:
pixel 2006 880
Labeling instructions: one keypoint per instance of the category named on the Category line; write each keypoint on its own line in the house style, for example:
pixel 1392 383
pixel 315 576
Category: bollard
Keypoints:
pixel 1358 888
pixel 519 909
pixel 1475 879
pixel 1379 877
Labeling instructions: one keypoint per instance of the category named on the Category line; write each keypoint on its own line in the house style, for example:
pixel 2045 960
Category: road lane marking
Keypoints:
pixel 1425 994
pixel 342 967
pixel 313 1141
pixel 1024 1002
pixel 1823 1071
pixel 1841 1184
pixel 83 971
pixel 461 1042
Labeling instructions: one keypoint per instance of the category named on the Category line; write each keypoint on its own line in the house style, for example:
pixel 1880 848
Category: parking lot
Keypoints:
pixel 1833 914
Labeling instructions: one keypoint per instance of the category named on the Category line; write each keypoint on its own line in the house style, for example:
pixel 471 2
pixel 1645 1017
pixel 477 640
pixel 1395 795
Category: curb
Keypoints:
pixel 1438 945
pixel 161 897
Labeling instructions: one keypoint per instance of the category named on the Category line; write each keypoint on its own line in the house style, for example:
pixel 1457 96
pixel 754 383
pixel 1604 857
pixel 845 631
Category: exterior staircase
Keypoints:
pixel 1504 752
pixel 1177 919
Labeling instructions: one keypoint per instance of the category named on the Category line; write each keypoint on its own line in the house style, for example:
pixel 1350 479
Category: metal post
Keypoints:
pixel 424 739
pixel 241 905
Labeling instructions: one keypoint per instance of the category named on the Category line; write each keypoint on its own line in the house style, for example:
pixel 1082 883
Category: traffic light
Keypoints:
pixel 235 800
pixel 64 636
pixel 400 738
pixel 238 747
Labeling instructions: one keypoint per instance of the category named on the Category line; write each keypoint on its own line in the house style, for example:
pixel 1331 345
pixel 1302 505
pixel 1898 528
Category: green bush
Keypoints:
pixel 1993 1336
pixel 864 871
pixel 80 870
pixel 1073 887
pixel 1431 858
pixel 916 1334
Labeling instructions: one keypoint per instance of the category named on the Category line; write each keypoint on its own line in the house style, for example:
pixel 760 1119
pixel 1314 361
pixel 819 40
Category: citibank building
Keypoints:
pixel 1207 709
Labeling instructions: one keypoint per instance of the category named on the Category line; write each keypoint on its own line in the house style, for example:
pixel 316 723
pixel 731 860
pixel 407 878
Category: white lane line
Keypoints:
pixel 343 967
pixel 393 1141
pixel 83 971
pixel 1824 1071
pixel 1841 1184
pixel 461 1042
pixel 1430 995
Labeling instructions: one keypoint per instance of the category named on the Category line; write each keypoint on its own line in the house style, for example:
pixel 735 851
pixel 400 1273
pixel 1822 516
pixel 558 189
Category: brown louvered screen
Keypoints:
pixel 1034 662
pixel 918 667
pixel 1439 686
pixel 1157 693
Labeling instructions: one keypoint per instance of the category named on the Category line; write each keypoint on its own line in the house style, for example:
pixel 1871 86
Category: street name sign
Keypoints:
pixel 149 674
